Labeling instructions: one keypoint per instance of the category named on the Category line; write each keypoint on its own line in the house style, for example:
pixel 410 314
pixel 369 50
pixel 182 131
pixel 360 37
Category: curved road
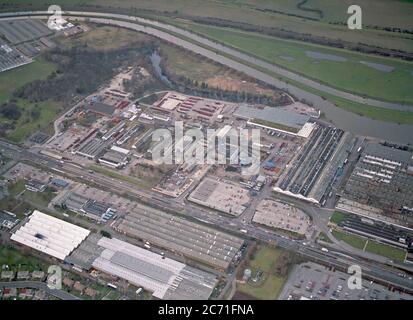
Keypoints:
pixel 343 119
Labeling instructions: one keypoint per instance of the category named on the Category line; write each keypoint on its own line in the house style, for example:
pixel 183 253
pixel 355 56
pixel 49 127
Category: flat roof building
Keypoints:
pixel 381 186
pixel 165 278
pixel 192 240
pixel 287 121
pixel 35 185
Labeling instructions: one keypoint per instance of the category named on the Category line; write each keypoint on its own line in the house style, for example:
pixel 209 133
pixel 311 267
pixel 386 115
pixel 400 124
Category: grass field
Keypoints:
pixel 264 260
pixel 352 240
pixel 337 217
pixel 16 188
pixel 40 198
pixel 16 78
pixel 26 125
pixel 18 261
pixel 349 75
pixel 381 249
pixel 386 251
pixel 183 63
pixel 105 38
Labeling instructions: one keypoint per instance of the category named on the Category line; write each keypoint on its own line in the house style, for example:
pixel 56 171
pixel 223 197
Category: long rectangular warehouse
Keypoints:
pixel 165 278
pixel 50 235
pixel 192 240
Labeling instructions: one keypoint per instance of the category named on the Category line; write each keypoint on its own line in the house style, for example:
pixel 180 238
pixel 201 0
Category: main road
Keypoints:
pixel 343 119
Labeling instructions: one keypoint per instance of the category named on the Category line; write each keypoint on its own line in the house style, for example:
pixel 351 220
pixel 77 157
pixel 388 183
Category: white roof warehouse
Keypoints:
pixel 50 235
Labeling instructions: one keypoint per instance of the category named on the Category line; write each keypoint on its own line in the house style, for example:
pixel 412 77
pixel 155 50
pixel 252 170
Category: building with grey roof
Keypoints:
pixel 8 220
pixel 92 148
pixel 381 186
pixel 101 108
pixel 114 159
pixel 192 240
pixel 289 121
pixel 165 278
pixel 35 185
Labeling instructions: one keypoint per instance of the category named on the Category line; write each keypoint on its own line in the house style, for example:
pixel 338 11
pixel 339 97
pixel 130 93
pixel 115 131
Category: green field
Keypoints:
pixel 349 75
pixel 40 198
pixel 16 78
pixel 18 261
pixel 337 217
pixel 182 63
pixel 264 260
pixel 16 188
pixel 352 240
pixel 386 251
pixel 26 125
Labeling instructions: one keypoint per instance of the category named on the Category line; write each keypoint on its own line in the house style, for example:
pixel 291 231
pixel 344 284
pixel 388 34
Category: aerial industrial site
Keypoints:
pixel 270 186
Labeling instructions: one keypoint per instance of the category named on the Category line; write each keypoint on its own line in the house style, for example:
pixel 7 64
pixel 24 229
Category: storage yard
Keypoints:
pixel 180 236
pixel 381 186
pixel 221 195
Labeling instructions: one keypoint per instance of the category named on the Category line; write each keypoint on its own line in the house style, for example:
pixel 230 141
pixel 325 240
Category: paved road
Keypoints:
pixel 63 295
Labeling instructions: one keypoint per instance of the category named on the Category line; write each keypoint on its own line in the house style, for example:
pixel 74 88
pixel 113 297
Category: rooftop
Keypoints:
pixel 270 114
pixel 50 235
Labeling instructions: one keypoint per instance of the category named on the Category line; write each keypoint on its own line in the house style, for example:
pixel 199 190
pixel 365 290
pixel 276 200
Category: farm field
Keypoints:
pixel 366 75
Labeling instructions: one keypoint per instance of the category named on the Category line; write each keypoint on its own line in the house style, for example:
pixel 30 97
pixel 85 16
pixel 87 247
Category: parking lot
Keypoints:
pixel 23 171
pixel 310 281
